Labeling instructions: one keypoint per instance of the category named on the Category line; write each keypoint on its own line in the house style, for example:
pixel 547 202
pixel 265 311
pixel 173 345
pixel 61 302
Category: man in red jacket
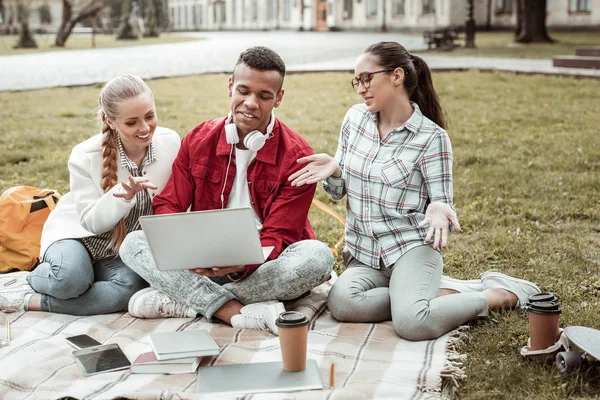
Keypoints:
pixel 242 160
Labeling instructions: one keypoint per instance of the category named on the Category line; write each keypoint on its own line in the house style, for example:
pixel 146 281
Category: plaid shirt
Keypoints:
pixel 389 183
pixel 99 245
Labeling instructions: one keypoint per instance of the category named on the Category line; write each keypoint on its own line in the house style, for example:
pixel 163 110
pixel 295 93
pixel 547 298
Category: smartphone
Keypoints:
pixel 82 342
pixel 103 358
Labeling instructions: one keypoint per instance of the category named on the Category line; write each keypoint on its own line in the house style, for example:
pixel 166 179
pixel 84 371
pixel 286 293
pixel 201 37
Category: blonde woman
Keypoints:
pixel 114 176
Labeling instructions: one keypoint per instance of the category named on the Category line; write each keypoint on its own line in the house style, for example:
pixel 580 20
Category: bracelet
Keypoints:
pixel 235 276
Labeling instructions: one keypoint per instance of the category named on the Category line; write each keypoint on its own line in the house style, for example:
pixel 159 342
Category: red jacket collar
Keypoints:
pixel 268 154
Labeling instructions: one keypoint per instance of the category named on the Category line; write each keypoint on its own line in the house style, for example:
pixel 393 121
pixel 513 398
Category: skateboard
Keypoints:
pixel 585 339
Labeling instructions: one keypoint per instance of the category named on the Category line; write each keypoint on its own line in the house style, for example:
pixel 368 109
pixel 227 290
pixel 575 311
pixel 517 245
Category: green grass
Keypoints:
pixel 526 173
pixel 84 42
pixel 502 44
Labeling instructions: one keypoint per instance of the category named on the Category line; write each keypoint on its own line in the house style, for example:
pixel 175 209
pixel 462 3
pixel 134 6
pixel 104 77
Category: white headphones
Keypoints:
pixel 255 140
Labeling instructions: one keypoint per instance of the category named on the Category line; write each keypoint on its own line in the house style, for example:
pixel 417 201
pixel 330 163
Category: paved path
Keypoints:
pixel 218 51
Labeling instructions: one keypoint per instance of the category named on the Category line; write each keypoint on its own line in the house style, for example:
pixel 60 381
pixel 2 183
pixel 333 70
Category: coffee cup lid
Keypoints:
pixel 541 307
pixel 291 319
pixel 543 297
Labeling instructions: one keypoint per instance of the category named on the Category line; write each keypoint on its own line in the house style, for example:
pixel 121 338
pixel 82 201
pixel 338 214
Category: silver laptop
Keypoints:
pixel 204 239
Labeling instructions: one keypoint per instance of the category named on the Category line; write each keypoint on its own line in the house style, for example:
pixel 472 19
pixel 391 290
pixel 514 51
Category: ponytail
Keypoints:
pixel 417 78
pixel 425 95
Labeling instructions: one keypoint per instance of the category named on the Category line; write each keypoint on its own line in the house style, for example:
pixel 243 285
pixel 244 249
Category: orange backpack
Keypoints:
pixel 23 211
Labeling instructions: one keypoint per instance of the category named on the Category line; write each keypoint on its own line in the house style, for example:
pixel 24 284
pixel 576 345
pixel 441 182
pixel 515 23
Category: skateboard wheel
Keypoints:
pixel 567 360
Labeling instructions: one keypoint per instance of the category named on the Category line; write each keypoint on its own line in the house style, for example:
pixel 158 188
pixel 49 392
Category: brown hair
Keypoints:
pixel 112 94
pixel 417 79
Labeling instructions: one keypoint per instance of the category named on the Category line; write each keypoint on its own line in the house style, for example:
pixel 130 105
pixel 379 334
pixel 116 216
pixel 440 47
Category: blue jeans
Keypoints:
pixel 71 284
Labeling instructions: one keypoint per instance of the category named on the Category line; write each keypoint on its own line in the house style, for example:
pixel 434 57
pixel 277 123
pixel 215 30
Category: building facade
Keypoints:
pixel 44 15
pixel 365 14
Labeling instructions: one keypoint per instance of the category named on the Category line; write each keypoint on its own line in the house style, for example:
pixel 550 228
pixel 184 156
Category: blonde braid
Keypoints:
pixel 110 155
pixel 112 94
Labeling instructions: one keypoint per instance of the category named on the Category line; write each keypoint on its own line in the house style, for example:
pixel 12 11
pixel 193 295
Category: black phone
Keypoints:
pixel 82 341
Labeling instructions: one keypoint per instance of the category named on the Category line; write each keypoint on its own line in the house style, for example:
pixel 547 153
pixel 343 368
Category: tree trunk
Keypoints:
pixel 69 19
pixel 384 12
pixel 533 23
pixel 301 28
pixel 470 26
pixel 125 29
pixel 2 12
pixel 26 40
pixel 63 32
pixel 151 23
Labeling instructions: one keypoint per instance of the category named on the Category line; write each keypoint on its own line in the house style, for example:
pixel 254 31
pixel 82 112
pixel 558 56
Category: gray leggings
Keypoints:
pixel 404 293
pixel 299 268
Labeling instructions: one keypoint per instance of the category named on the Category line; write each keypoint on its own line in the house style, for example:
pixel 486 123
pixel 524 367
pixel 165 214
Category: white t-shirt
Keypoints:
pixel 240 194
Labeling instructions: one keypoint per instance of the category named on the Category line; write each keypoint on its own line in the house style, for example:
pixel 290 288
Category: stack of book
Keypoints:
pixel 175 352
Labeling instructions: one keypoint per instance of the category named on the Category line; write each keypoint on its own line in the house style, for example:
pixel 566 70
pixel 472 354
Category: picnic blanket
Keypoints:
pixel 371 361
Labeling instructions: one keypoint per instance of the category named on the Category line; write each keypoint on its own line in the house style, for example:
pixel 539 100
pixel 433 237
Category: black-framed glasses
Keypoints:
pixel 365 78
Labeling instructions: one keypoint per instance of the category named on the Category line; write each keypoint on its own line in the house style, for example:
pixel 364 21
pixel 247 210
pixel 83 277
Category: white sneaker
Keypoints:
pixel 259 316
pixel 461 286
pixel 519 287
pixel 13 290
pixel 150 303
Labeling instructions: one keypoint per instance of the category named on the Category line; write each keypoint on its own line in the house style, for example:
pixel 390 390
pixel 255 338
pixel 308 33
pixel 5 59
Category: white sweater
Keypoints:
pixel 87 210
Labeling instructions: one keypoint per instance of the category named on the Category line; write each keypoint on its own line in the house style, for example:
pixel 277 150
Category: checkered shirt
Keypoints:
pixel 389 183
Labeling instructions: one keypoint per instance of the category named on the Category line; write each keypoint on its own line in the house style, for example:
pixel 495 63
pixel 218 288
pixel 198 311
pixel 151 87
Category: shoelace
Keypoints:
pixel 170 308
pixel 255 322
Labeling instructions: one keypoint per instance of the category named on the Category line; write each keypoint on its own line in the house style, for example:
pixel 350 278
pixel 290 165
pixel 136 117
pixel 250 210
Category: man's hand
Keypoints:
pixel 218 271
pixel 439 216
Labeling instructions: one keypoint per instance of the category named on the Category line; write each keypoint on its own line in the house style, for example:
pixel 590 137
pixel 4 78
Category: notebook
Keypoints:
pixel 257 378
pixel 182 344
pixel 147 363
pixel 204 239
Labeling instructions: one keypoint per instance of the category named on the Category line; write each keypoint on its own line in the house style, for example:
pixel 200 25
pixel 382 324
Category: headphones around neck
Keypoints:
pixel 255 140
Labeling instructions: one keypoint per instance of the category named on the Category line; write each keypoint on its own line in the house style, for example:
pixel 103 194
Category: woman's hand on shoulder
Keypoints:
pixel 133 185
pixel 439 216
pixel 317 167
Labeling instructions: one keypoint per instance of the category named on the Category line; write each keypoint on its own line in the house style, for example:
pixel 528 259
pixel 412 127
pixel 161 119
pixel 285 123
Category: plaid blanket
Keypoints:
pixel 371 361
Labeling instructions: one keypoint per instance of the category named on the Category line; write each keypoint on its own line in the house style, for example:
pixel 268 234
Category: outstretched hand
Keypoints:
pixel 318 167
pixel 439 216
pixel 134 185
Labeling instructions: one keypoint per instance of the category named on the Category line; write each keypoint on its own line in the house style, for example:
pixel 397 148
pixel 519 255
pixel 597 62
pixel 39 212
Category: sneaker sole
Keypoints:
pixel 465 282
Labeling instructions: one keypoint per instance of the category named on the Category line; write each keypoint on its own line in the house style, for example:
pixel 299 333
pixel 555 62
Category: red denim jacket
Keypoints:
pixel 199 173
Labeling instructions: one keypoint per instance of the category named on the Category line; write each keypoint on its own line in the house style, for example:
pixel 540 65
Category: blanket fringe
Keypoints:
pixel 454 370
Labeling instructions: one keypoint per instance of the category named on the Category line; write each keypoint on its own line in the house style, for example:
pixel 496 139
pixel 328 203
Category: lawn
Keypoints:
pixel 526 179
pixel 84 42
pixel 502 44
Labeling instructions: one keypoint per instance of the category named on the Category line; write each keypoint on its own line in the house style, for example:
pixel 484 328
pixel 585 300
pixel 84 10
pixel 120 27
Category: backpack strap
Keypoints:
pixel 49 202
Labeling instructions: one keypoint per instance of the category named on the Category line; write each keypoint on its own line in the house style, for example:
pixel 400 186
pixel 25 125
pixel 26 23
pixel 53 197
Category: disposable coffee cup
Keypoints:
pixel 293 336
pixel 544 297
pixel 544 327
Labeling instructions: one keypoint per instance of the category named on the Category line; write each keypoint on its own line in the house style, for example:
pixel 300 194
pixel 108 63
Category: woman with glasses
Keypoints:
pixel 394 162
